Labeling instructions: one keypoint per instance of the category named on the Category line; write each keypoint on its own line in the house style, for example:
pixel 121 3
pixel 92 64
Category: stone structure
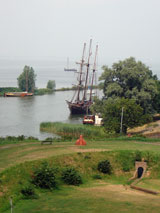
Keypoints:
pixel 141 168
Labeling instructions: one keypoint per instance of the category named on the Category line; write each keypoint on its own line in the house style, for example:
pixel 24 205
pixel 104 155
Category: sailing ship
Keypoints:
pixel 69 69
pixel 81 100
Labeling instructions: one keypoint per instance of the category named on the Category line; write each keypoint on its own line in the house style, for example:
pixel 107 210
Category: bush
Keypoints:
pixel 105 167
pixel 138 155
pixel 21 137
pixel 97 176
pixel 44 177
pixel 28 192
pixel 71 177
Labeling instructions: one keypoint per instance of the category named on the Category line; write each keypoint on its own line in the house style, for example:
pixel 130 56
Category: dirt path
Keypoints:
pixel 120 192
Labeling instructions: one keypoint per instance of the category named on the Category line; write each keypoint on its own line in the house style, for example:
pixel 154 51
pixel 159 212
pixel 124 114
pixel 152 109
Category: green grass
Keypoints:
pixel 8 89
pixel 17 162
pixel 43 91
pixel 13 178
pixel 88 199
pixel 148 183
pixel 12 154
pixel 73 131
pixel 15 140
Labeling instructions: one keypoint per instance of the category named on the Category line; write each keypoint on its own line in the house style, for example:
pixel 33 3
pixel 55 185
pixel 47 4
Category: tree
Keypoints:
pixel 131 80
pixel 112 114
pixel 26 80
pixel 156 100
pixel 51 85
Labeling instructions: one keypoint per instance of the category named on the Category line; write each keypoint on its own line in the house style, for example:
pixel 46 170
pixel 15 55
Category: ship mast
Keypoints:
pixel 94 69
pixel 80 74
pixel 27 80
pixel 87 72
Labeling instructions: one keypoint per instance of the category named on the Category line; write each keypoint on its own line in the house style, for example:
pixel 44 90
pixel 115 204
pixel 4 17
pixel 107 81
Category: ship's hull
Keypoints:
pixel 79 108
pixel 17 94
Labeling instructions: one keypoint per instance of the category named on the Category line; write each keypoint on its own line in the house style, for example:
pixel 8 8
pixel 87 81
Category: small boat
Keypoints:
pixel 17 94
pixel 93 120
pixel 89 119
pixel 20 94
pixel 83 97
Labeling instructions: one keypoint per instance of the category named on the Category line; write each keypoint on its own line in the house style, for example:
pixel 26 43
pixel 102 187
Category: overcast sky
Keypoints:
pixel 57 29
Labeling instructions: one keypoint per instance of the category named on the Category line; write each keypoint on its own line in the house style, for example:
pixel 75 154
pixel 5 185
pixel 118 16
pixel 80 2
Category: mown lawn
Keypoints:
pixel 12 154
pixel 110 194
pixel 95 198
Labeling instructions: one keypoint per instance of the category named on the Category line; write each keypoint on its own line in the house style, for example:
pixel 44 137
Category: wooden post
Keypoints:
pixel 121 128
pixel 11 203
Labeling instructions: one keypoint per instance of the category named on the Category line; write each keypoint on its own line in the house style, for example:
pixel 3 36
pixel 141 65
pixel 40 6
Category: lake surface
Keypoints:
pixel 22 116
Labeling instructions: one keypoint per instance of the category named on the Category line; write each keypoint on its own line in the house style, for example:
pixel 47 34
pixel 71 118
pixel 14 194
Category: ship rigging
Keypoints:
pixel 82 99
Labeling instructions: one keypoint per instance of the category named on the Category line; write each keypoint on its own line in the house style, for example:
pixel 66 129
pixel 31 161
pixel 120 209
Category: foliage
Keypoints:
pixel 138 155
pixel 8 89
pixel 42 91
pixel 44 176
pixel 16 177
pixel 156 100
pixel 28 191
pixel 18 139
pixel 130 79
pixel 104 167
pixel 51 85
pixel 67 88
pixel 126 159
pixel 96 177
pixel 71 131
pixel 26 80
pixel 71 177
pixel 112 114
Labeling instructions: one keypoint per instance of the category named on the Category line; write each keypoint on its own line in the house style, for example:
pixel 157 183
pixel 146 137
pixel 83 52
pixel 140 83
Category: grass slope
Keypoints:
pixel 111 192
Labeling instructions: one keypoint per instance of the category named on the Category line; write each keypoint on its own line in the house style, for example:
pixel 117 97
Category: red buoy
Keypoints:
pixel 81 141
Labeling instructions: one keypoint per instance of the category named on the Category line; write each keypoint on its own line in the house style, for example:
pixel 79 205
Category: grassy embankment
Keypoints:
pixel 149 130
pixel 72 131
pixel 19 157
pixel 93 195
pixel 40 91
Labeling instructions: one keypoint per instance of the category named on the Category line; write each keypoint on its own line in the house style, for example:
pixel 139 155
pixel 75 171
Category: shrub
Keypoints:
pixel 21 137
pixel 44 176
pixel 104 167
pixel 97 176
pixel 138 155
pixel 71 177
pixel 28 192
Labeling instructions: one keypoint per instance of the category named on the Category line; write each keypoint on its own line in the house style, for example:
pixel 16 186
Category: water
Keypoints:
pixel 22 116
pixel 45 71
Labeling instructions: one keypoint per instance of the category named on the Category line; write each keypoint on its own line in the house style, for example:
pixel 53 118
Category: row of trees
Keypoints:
pixel 129 85
pixel 27 79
